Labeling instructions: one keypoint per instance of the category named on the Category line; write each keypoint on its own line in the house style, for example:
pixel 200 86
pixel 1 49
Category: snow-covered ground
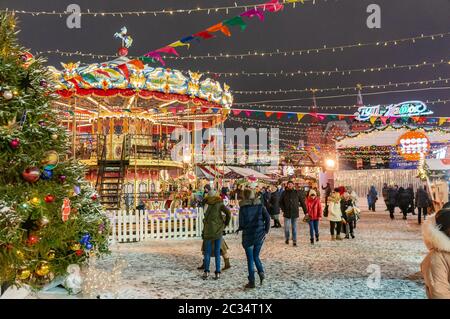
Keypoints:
pixel 329 269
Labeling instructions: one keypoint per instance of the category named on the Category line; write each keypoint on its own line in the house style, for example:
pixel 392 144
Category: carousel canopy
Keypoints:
pixel 124 86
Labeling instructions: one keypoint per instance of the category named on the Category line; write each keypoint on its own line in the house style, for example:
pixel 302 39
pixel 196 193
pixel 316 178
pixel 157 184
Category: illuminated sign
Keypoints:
pixel 405 109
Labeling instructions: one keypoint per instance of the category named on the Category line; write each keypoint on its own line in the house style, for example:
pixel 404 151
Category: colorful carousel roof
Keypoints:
pixel 124 85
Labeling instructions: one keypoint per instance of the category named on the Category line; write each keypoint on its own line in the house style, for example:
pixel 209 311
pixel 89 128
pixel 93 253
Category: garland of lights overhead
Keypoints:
pixel 338 48
pixel 167 11
pixel 343 89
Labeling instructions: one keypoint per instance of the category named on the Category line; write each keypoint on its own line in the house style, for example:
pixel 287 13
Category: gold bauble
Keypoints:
pixel 20 254
pixel 54 137
pixel 35 201
pixel 51 255
pixel 51 158
pixel 23 273
pixel 43 269
pixel 76 247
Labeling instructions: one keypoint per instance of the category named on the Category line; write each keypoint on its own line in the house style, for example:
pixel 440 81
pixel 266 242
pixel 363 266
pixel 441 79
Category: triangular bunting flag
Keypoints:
pixel 300 116
pixel 204 109
pixel 279 115
pixel 341 117
pixel 236 112
pixel 179 44
pixel 173 110
pixel 268 114
pixel 236 21
pixel 220 27
pixel 204 35
pixel 384 119
pixel 215 109
pixel 248 113
pixel 442 120
pixel 168 50
pixel 256 12
pixel 290 115
pixel 373 119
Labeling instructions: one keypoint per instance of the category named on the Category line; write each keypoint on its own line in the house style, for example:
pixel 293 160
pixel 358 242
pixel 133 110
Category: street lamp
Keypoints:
pixel 330 164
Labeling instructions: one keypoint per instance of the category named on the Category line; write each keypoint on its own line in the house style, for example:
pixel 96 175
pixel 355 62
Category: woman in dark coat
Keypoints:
pixel 423 201
pixel 348 214
pixel 274 206
pixel 392 195
pixel 404 201
pixel 254 221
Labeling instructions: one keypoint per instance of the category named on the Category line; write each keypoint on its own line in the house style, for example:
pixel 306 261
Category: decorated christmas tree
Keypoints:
pixel 49 215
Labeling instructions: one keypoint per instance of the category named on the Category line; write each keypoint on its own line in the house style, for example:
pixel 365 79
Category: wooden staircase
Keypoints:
pixel 110 177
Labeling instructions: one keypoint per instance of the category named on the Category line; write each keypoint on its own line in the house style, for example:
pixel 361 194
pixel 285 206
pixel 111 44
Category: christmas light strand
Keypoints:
pixel 344 89
pixel 370 69
pixel 338 48
pixel 121 14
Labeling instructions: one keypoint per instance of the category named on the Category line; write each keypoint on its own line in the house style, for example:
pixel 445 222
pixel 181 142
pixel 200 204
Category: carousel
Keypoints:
pixel 120 115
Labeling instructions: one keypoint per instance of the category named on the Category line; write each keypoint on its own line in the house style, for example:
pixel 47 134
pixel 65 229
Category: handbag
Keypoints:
pixel 306 219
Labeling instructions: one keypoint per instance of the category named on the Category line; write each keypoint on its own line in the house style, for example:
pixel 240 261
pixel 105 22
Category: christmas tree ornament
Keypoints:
pixel 94 197
pixel 35 201
pixel 123 51
pixel 42 123
pixel 62 178
pixel 44 221
pixel 51 255
pixel 32 240
pixel 65 210
pixel 8 95
pixel 49 198
pixel 54 137
pixel 43 83
pixel 79 252
pixel 47 174
pixel 14 143
pixel 20 254
pixel 75 247
pixel 51 160
pixel 76 190
pixel 42 269
pixel 31 174
pixel 23 273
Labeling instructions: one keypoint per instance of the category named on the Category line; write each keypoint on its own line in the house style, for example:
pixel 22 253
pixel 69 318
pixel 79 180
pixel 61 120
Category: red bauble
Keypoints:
pixel 123 51
pixel 32 239
pixel 31 174
pixel 94 197
pixel 79 252
pixel 62 178
pixel 49 198
pixel 14 143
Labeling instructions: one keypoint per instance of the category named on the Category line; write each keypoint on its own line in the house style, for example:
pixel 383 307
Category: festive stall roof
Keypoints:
pixel 388 135
pixel 438 164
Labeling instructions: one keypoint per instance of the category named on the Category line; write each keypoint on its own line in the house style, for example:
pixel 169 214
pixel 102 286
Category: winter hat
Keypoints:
pixel 443 221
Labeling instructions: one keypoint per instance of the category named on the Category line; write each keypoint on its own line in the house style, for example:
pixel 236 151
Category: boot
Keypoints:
pixel 317 238
pixel 333 238
pixel 205 275
pixel 294 244
pixel 338 237
pixel 278 224
pixel 347 236
pixel 216 275
pixel 353 236
pixel 250 285
pixel 201 267
pixel 227 264
pixel 261 277
pixel 312 241
pixel 287 241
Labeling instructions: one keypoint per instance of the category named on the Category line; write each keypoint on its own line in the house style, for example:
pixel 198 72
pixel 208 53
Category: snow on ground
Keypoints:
pixel 329 269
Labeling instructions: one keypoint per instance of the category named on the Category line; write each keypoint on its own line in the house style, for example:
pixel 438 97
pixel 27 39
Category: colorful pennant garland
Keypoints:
pixel 209 33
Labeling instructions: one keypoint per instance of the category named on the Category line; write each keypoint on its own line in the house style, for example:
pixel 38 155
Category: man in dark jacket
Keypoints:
pixel 290 204
pixel 274 206
pixel 423 201
pixel 410 191
pixel 392 200
pixel 302 194
pixel 254 221
pixel 403 201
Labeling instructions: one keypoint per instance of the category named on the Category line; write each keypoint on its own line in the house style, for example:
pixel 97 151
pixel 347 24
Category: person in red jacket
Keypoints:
pixel 314 209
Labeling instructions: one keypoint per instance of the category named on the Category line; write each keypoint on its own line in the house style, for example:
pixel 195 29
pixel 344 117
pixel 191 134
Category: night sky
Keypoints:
pixel 330 23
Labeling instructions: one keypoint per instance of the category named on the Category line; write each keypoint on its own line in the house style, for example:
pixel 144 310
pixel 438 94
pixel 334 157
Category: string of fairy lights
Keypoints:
pixel 333 49
pixel 344 89
pixel 165 11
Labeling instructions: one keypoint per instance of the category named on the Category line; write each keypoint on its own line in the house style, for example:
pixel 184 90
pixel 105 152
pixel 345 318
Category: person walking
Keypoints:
pixel 302 194
pixel 327 190
pixel 403 201
pixel 314 209
pixel 392 200
pixel 213 227
pixel 384 192
pixel 254 222
pixel 355 200
pixel 349 215
pixel 274 206
pixel 412 208
pixel 289 204
pixel 335 215
pixel 372 197
pixel 436 265
pixel 423 201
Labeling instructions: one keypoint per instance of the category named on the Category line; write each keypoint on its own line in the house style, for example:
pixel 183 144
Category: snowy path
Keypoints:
pixel 329 269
